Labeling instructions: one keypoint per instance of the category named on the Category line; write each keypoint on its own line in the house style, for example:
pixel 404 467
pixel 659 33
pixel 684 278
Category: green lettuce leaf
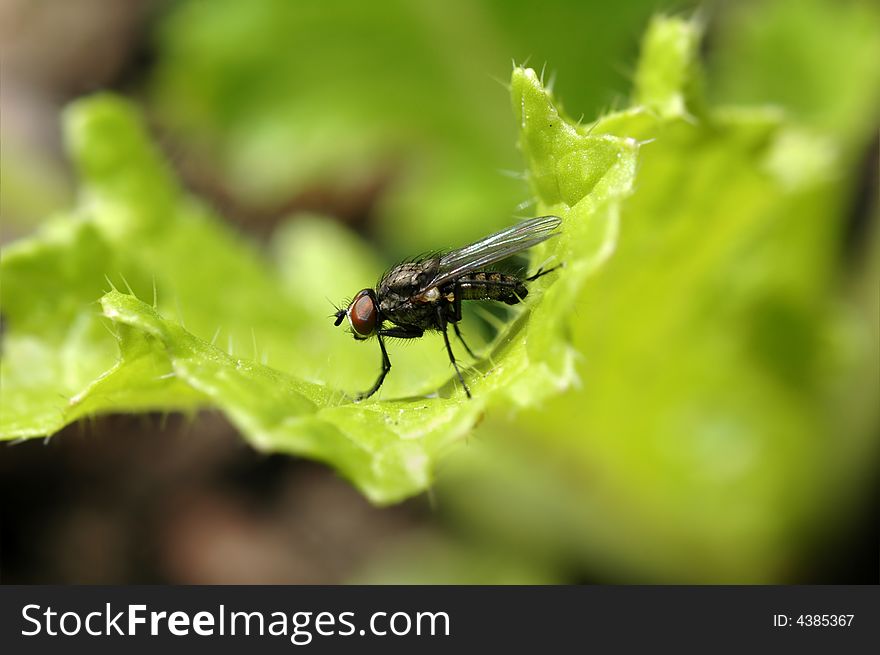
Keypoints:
pixel 706 442
pixel 190 283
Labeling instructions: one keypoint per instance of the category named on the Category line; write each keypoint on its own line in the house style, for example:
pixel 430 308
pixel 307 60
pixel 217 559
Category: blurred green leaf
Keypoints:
pixel 703 443
pixel 819 60
pixel 277 100
pixel 275 107
pixel 672 84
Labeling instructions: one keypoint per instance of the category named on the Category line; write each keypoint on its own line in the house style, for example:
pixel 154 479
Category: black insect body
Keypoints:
pixel 426 294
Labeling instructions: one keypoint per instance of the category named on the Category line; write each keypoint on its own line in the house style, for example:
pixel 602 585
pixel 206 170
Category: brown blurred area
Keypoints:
pixel 128 499
pixel 149 499
pixel 62 49
pixel 53 52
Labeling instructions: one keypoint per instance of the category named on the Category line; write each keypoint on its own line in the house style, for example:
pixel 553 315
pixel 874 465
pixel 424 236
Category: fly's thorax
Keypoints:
pixel 399 292
pixel 409 312
pixel 409 277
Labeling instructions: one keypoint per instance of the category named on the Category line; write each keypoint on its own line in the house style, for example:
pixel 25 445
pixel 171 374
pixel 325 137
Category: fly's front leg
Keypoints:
pixel 441 323
pixel 386 366
pixel 398 332
pixel 402 332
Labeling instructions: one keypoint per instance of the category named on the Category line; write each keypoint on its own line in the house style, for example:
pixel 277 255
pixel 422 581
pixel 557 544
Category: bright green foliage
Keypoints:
pixel 671 85
pixel 678 381
pixel 704 443
pixel 135 226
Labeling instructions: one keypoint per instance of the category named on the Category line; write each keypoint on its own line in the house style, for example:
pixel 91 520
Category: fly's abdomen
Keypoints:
pixel 492 285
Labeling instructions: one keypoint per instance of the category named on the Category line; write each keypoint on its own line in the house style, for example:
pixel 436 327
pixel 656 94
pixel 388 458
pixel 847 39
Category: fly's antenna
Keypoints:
pixel 338 312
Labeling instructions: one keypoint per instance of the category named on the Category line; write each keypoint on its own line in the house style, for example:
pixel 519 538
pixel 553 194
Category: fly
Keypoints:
pixel 426 294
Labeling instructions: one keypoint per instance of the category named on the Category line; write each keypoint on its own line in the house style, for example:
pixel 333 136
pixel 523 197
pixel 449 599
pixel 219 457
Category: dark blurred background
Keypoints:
pixel 153 499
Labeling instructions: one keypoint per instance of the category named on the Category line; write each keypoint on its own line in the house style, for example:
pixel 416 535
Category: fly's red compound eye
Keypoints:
pixel 362 314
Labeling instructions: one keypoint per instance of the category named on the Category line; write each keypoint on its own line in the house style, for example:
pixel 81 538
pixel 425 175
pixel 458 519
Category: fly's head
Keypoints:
pixel 362 313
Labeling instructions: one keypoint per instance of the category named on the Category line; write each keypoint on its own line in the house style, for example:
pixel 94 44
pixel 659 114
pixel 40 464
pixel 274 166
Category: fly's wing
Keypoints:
pixel 495 248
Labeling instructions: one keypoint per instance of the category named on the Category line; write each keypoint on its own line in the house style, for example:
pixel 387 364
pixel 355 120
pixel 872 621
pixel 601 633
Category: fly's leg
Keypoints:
pixel 399 332
pixel 386 366
pixel 402 332
pixel 541 273
pixel 441 323
pixel 456 317
pixel 456 301
pixel 463 342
